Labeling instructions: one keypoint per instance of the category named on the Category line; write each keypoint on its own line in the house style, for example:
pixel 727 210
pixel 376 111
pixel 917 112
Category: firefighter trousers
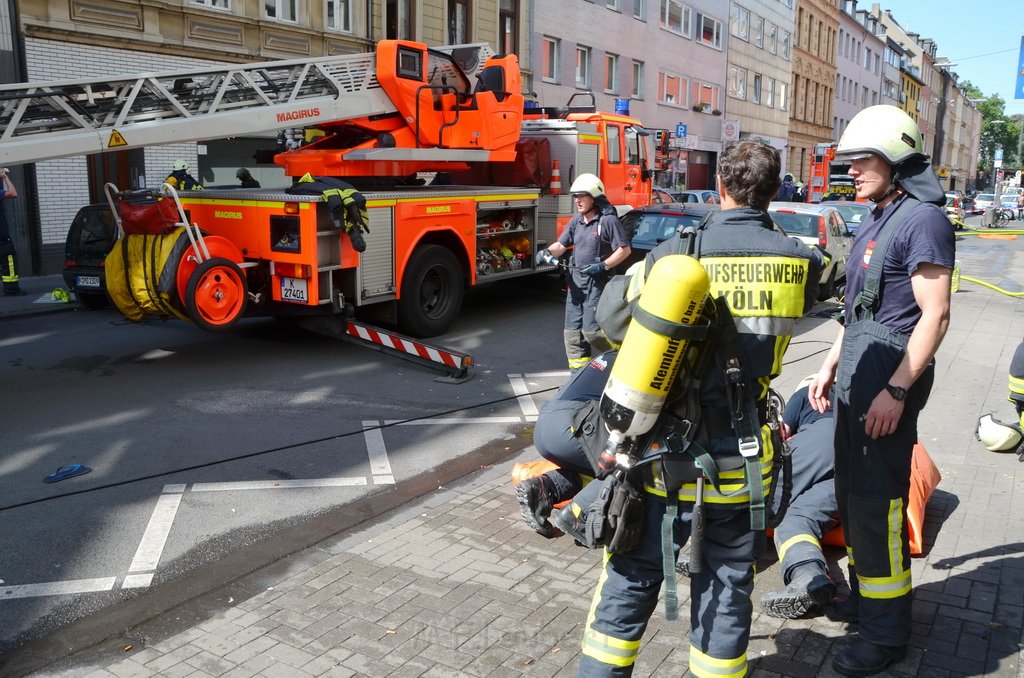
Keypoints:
pixel 720 607
pixel 9 267
pixel 583 336
pixel 812 509
pixel 873 481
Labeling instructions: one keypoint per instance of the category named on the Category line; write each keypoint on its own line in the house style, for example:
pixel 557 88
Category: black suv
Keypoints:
pixel 90 238
pixel 649 226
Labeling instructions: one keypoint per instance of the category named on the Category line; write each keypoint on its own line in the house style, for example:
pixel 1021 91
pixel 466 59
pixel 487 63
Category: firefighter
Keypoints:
pixel 882 367
pixel 599 245
pixel 788 189
pixel 812 512
pixel 8 255
pixel 246 178
pixel 762 282
pixel 180 179
pixel 995 435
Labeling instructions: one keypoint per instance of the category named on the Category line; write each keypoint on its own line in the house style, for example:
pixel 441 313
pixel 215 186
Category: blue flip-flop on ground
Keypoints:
pixel 68 471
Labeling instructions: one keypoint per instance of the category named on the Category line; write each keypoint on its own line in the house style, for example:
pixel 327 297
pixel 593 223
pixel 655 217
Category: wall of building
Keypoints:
pixel 814 79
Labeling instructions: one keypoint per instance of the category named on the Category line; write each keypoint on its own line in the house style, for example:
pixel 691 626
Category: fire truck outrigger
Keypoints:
pixel 388 117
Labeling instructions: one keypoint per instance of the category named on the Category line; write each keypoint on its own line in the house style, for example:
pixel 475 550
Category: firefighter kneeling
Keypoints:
pixel 714 428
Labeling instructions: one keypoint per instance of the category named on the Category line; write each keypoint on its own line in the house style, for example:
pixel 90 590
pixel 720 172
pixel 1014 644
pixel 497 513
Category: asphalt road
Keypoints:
pixel 314 424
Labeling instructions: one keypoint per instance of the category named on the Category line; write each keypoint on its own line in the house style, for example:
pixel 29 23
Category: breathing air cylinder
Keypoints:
pixel 675 291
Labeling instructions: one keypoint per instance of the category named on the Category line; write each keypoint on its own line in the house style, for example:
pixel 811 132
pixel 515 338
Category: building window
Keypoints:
pixel 758 31
pixel 550 67
pixel 611 73
pixel 737 82
pixel 458 22
pixel 613 4
pixel 705 96
pixel 281 10
pixel 675 16
pixel 739 22
pixel 214 4
pixel 613 140
pixel 769 98
pixel 637 88
pixel 756 94
pixel 711 31
pixel 640 9
pixel 773 38
pixel 508 26
pixel 787 44
pixel 583 67
pixel 339 15
pixel 672 89
pixel 398 22
pixel 783 96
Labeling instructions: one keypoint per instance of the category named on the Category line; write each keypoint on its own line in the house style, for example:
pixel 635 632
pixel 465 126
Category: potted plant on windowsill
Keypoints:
pixel 716 112
pixel 698 108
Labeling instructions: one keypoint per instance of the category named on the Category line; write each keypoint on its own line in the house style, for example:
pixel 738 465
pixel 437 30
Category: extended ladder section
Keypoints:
pixel 42 121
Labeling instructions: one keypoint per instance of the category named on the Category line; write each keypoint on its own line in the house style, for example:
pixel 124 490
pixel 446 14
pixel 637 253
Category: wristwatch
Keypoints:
pixel 897 392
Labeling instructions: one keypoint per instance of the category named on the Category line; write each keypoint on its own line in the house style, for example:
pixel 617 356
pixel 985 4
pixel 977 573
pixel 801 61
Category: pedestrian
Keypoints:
pixel 8 254
pixel 739 237
pixel 788 189
pixel 180 179
pixel 1020 206
pixel 812 512
pixel 599 244
pixel 246 178
pixel 882 367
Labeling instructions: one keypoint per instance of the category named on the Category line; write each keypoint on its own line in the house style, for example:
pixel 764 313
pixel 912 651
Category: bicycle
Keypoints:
pixel 1002 216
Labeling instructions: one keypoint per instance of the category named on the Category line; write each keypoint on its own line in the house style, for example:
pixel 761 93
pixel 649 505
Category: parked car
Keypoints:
pixel 647 227
pixel 955 208
pixel 819 225
pixel 983 201
pixel 853 212
pixel 661 196
pixel 90 238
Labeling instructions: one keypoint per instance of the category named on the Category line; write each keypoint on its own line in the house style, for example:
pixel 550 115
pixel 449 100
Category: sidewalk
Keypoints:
pixel 38 297
pixel 456 585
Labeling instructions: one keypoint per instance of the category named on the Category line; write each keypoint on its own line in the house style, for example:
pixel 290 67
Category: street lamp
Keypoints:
pixel 997 151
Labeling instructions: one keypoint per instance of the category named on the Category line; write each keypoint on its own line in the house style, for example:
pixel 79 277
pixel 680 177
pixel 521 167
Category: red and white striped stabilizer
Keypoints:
pixel 453 362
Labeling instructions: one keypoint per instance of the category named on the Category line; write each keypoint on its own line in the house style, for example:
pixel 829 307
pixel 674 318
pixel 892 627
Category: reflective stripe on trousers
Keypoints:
pixel 873 480
pixel 720 607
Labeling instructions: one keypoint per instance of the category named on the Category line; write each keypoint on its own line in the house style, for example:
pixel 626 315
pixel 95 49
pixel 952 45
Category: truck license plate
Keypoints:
pixel 294 290
pixel 87 280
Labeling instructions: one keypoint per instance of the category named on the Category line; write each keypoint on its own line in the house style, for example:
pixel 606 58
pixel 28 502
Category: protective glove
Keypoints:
pixel 595 269
pixel 545 257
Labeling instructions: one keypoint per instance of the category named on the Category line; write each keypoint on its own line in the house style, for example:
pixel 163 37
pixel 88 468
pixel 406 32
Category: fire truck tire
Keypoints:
pixel 216 294
pixel 432 290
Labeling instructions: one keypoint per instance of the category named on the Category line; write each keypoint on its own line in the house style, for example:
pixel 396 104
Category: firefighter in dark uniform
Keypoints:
pixel 599 245
pixel 180 179
pixel 882 367
pixel 8 254
pixel 768 281
pixel 996 435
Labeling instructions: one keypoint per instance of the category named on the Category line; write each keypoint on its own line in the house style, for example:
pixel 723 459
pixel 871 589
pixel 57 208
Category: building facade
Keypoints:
pixel 858 66
pixel 814 79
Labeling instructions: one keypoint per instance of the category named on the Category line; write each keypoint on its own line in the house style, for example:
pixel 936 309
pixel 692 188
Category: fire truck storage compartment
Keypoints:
pixel 505 234
pixel 376 272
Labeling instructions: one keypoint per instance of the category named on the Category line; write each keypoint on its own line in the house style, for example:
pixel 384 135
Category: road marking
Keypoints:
pixel 137 581
pixel 375 449
pixel 153 539
pixel 277 484
pixel 523 396
pixel 451 422
pixel 57 588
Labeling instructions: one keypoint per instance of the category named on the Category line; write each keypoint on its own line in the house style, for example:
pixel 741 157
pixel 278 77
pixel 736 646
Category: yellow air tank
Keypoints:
pixel 647 364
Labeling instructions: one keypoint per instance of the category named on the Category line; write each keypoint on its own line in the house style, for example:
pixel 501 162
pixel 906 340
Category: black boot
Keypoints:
pixel 866 659
pixel 358 242
pixel 569 520
pixel 845 610
pixel 536 496
pixel 809 589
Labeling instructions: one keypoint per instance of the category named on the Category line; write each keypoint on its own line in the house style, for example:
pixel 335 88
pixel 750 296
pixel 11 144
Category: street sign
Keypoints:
pixel 680 130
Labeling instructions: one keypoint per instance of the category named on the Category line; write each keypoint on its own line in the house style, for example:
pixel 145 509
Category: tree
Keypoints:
pixel 997 131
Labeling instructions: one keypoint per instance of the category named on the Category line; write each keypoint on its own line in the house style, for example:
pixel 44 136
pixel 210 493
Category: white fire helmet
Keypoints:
pixel 587 183
pixel 997 436
pixel 881 130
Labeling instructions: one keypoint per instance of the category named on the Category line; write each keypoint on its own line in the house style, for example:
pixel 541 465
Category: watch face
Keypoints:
pixel 896 392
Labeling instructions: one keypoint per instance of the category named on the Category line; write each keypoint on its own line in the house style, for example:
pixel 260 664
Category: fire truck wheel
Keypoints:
pixel 432 291
pixel 216 294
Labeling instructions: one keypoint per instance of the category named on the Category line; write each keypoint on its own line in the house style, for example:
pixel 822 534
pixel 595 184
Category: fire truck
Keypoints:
pixel 390 118
pixel 829 179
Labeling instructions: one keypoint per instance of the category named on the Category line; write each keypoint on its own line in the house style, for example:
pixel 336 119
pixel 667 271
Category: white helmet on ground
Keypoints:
pixel 882 130
pixel 587 183
pixel 997 436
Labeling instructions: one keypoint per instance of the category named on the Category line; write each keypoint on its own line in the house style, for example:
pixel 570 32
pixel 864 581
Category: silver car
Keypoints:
pixel 819 225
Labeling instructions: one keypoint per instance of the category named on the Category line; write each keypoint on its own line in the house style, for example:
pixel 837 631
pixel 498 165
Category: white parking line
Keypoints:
pixel 153 539
pixel 380 466
pixel 277 484
pixel 449 422
pixel 523 396
pixel 57 588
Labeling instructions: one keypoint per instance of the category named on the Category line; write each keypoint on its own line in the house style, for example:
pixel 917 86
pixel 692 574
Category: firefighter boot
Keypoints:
pixel 355 234
pixel 536 496
pixel 866 659
pixel 568 519
pixel 809 589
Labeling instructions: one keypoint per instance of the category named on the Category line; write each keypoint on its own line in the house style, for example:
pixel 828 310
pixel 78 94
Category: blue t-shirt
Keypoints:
pixel 593 241
pixel 924 237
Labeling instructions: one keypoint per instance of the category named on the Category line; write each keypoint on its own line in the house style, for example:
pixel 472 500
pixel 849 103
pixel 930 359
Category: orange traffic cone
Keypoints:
pixel 556 179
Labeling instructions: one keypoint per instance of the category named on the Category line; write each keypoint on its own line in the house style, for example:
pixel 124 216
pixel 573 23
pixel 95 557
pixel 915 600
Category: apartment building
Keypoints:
pixel 814 79
pixel 858 66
